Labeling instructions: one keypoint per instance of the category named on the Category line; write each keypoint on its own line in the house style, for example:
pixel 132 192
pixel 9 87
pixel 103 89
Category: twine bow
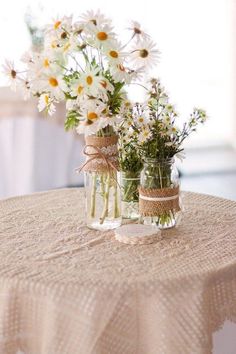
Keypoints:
pixel 98 154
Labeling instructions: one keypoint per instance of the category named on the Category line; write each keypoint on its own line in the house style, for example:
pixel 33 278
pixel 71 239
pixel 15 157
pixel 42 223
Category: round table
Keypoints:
pixel 66 289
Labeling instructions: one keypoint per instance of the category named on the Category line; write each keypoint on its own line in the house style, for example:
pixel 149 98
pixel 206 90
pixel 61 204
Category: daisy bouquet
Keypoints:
pixel 85 64
pixel 160 139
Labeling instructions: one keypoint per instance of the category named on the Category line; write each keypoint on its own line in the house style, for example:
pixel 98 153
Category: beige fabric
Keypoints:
pixel 65 289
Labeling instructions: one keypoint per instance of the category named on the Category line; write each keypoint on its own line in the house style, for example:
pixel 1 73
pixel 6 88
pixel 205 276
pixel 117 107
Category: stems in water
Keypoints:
pixel 106 199
pixel 93 195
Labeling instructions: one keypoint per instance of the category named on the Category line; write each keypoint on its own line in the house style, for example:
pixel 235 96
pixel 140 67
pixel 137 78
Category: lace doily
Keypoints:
pixel 66 289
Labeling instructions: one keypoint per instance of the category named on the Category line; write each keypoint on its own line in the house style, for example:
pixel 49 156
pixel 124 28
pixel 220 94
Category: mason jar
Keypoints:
pixel 103 203
pixel 159 193
pixel 129 182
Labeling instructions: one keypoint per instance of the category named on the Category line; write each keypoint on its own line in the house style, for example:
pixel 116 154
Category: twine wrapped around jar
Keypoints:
pixel 101 154
pixel 155 202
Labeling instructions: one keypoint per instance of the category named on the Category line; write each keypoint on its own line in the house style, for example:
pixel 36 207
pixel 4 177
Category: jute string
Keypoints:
pixel 101 154
pixel 154 202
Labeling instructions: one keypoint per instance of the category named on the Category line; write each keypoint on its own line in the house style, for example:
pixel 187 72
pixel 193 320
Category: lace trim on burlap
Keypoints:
pixel 101 154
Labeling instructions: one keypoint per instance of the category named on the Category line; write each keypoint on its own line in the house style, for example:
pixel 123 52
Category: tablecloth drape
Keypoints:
pixel 65 289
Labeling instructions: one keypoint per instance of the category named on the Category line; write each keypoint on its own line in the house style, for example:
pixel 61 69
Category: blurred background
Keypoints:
pixel 197 66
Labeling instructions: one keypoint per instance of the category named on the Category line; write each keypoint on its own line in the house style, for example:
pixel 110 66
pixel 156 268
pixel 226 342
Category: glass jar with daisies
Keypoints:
pixel 160 142
pixel 84 64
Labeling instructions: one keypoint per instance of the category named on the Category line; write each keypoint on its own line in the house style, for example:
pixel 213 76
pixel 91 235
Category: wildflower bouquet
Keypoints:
pixel 160 137
pixel 130 162
pixel 159 141
pixel 85 64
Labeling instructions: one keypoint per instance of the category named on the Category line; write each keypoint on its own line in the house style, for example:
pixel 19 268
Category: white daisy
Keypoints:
pixel 92 109
pixel 166 121
pixel 172 131
pixel 112 120
pixel 141 119
pixel 120 73
pixel 88 127
pixel 11 73
pixel 50 83
pixel 94 18
pixel 145 54
pixel 24 86
pixel 59 25
pixel 77 88
pixel 125 107
pixel 91 81
pixel 41 63
pixel 144 135
pixel 137 74
pixel 46 103
pixel 138 32
pixel 102 36
pixel 27 57
pixel 106 85
pixel 114 53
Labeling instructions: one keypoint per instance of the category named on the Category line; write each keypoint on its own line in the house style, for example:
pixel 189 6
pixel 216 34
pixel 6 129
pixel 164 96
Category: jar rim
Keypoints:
pixel 160 161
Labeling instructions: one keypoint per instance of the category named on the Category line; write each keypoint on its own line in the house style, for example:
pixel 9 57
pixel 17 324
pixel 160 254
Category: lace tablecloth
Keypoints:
pixel 65 289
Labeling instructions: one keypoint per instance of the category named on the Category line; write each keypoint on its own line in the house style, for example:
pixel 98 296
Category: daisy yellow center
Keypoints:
pixel 46 63
pixel 89 80
pixel 66 47
pixel 102 36
pixel 141 120
pixel 103 83
pixel 80 89
pixel 143 53
pixel 53 81
pixel 46 99
pixel 57 24
pixel 92 115
pixel 53 44
pixel 113 54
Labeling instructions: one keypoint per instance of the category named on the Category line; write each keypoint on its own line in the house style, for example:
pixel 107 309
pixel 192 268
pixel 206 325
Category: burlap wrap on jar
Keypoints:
pixel 101 154
pixel 155 202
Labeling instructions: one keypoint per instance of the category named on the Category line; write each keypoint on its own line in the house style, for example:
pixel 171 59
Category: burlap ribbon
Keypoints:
pixel 101 154
pixel 154 202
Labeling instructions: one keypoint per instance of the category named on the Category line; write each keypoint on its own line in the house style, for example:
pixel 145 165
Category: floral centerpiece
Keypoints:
pixel 130 162
pixel 85 64
pixel 160 140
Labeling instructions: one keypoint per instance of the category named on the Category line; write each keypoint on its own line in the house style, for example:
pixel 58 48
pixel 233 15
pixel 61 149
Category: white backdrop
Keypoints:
pixel 37 155
pixel 195 37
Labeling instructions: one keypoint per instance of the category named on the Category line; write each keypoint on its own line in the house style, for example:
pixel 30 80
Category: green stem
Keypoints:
pixel 93 196
pixel 116 208
pixel 106 200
